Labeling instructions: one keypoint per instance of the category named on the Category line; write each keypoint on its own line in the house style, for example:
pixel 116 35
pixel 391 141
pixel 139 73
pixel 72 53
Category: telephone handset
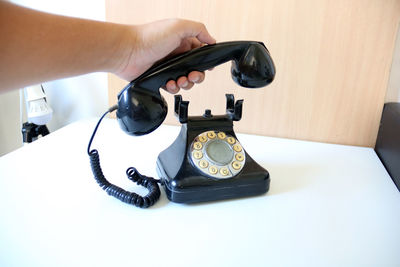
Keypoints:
pixel 252 67
pixel 206 162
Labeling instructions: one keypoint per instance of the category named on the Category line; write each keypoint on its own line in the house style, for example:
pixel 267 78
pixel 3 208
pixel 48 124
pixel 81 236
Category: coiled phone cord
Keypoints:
pixel 128 197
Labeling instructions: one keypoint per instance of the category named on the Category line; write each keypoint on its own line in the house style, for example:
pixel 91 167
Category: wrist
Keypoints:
pixel 122 49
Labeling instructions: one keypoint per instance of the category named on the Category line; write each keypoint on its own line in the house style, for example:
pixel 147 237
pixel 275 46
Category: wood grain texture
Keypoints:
pixel 393 91
pixel 333 61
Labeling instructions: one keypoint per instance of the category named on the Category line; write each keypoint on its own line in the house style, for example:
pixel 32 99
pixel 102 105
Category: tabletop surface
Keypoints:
pixel 328 205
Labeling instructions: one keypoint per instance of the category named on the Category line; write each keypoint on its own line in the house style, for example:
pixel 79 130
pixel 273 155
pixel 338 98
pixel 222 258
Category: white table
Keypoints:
pixel 328 205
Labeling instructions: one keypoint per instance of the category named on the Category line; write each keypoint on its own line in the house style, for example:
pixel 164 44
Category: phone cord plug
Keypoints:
pixel 125 196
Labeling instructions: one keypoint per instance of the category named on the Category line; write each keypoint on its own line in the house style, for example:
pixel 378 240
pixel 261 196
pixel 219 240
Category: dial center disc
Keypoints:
pixel 219 152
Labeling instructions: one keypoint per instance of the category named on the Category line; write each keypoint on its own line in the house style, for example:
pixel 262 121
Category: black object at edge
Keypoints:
pixel 388 141
pixel 31 131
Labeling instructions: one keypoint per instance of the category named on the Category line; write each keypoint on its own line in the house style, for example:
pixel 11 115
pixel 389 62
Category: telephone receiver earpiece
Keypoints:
pixel 141 108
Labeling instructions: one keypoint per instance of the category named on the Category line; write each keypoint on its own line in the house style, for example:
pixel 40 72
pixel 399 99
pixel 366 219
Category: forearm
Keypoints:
pixel 37 46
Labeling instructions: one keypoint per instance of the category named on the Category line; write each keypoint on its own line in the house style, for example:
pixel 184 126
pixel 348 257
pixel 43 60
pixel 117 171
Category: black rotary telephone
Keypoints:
pixel 206 162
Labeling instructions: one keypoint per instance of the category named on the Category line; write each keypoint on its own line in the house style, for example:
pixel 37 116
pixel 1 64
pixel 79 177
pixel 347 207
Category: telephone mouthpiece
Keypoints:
pixel 140 112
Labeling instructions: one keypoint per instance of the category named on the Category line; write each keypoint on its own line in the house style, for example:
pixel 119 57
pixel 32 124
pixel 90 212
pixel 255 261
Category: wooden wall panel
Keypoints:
pixel 333 60
pixel 393 91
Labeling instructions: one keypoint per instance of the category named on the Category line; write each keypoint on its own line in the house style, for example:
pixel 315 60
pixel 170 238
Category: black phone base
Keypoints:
pixel 184 182
pixel 188 187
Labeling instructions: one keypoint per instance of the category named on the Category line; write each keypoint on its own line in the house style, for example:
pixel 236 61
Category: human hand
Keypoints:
pixel 151 42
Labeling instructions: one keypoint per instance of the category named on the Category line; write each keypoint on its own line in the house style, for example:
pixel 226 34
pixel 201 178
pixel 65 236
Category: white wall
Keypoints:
pixel 10 130
pixel 71 99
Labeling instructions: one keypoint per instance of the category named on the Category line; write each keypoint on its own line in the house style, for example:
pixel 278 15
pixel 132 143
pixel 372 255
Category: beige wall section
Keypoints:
pixel 393 91
pixel 333 60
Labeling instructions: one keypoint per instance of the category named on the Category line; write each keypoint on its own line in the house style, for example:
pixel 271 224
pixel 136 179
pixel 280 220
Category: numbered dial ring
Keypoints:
pixel 217 154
